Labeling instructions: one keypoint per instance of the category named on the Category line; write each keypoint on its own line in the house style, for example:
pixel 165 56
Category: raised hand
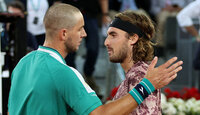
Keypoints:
pixel 164 74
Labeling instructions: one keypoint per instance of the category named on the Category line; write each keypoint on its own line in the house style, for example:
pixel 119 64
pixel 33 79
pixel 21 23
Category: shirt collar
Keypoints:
pixel 54 53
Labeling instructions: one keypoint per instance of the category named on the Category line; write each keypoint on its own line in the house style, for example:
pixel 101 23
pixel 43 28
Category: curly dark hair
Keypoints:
pixel 143 49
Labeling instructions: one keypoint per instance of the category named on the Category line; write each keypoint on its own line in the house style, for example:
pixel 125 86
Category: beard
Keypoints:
pixel 70 47
pixel 120 56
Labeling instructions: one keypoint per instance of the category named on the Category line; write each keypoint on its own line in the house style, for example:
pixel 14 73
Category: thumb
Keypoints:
pixel 153 62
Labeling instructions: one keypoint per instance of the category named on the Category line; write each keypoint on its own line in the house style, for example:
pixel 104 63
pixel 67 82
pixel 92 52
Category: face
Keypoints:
pixel 75 35
pixel 14 10
pixel 117 45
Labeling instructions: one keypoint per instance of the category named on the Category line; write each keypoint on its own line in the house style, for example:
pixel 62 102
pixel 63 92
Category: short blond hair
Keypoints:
pixel 60 16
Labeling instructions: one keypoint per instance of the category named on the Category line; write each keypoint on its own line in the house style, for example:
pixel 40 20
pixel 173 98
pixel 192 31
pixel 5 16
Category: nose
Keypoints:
pixel 106 41
pixel 83 34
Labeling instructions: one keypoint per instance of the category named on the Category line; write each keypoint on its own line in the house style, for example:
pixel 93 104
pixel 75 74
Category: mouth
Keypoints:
pixel 79 43
pixel 109 50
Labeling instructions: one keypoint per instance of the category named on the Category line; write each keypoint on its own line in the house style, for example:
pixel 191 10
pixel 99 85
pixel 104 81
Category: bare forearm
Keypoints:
pixel 155 78
pixel 192 30
pixel 122 106
pixel 104 6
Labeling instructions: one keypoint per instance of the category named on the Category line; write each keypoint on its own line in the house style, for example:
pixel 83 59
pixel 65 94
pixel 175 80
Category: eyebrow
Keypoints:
pixel 81 27
pixel 111 33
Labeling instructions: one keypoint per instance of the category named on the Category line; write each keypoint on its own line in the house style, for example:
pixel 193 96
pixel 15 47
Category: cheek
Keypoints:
pixel 113 43
pixel 74 37
pixel 116 49
pixel 120 46
pixel 77 35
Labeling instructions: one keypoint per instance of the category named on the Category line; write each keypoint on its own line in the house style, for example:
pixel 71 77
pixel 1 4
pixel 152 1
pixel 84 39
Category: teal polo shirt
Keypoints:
pixel 42 84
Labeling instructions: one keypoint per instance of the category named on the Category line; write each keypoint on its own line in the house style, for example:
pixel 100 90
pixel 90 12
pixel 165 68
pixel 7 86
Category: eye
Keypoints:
pixel 113 35
pixel 80 29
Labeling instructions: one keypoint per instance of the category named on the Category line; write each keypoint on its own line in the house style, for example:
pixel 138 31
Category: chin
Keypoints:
pixel 73 50
pixel 76 49
pixel 115 60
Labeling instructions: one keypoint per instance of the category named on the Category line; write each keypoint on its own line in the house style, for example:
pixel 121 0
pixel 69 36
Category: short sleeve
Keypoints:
pixel 186 15
pixel 74 90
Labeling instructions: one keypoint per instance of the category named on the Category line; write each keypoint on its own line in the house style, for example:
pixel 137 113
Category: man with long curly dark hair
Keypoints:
pixel 129 43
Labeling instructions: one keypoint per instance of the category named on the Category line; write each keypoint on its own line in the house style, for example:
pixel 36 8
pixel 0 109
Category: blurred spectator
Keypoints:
pixel 162 9
pixel 7 36
pixel 15 46
pixel 122 5
pixel 18 7
pixel 36 10
pixel 8 41
pixel 2 9
pixel 91 9
pixel 158 5
pixel 184 19
pixel 140 6
pixel 128 5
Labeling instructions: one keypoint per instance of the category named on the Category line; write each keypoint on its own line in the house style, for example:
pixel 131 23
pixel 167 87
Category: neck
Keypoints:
pixel 127 64
pixel 57 46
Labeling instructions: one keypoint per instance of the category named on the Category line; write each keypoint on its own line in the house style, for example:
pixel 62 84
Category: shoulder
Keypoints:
pixel 28 56
pixel 25 59
pixel 58 68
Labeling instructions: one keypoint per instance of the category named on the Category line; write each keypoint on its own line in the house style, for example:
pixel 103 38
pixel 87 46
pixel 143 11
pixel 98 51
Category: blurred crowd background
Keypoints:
pixel 22 31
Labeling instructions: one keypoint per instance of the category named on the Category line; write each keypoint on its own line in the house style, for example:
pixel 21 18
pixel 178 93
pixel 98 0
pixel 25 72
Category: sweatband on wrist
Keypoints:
pixel 142 90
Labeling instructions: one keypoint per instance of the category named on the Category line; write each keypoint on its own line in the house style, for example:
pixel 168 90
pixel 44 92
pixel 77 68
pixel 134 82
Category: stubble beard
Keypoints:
pixel 120 56
pixel 70 47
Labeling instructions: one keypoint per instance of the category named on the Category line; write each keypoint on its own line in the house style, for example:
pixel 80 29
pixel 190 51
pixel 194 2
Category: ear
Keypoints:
pixel 63 33
pixel 133 39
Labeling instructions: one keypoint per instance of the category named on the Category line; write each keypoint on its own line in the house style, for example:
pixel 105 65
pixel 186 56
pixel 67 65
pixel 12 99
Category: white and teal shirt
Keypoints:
pixel 42 84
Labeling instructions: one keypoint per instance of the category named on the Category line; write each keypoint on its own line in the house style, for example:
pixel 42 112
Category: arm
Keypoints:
pixel 185 16
pixel 159 77
pixel 104 8
pixel 193 31
pixel 121 106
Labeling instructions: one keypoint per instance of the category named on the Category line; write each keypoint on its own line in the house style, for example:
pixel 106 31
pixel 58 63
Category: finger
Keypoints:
pixel 175 71
pixel 166 81
pixel 153 62
pixel 169 62
pixel 170 79
pixel 174 66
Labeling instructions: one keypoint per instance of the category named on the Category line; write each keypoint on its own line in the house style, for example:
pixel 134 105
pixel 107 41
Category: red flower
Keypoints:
pixel 113 92
pixel 167 90
pixel 184 94
pixel 176 94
